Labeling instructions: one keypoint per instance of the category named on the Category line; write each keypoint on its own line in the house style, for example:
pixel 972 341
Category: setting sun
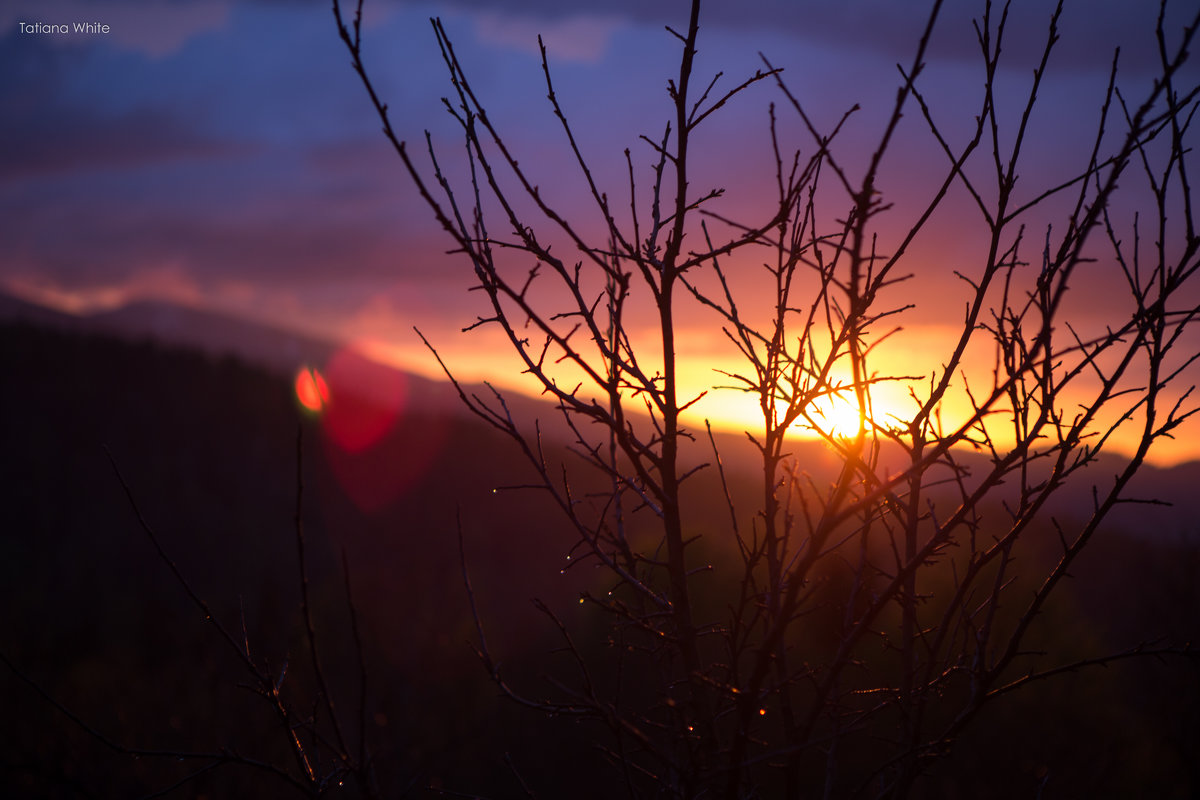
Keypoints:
pixel 836 416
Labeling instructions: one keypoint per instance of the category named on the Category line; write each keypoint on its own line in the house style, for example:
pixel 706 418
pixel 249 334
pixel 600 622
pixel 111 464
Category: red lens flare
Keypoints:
pixel 379 440
pixel 367 399
pixel 311 390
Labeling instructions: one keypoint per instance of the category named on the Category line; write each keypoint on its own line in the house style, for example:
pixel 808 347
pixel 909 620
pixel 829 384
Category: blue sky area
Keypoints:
pixel 224 154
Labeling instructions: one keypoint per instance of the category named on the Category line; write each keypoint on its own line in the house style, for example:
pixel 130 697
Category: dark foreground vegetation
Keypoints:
pixel 95 624
pixel 849 631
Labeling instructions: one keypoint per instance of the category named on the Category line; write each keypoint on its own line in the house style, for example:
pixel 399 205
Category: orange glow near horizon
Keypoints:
pixel 484 355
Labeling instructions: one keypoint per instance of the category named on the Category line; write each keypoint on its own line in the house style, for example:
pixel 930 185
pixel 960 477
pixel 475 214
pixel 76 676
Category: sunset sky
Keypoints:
pixel 224 155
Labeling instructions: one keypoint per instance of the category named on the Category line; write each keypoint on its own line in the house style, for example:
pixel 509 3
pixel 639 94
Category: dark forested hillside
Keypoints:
pixel 208 449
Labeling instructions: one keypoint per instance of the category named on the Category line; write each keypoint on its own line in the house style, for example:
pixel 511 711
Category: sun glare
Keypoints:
pixel 835 416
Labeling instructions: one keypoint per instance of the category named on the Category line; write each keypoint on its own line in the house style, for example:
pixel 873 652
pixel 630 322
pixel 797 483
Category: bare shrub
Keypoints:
pixel 839 636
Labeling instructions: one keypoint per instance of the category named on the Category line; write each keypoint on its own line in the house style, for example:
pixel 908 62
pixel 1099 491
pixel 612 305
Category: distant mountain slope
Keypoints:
pixel 14 309
pixel 214 332
pixel 174 324
pixel 218 334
